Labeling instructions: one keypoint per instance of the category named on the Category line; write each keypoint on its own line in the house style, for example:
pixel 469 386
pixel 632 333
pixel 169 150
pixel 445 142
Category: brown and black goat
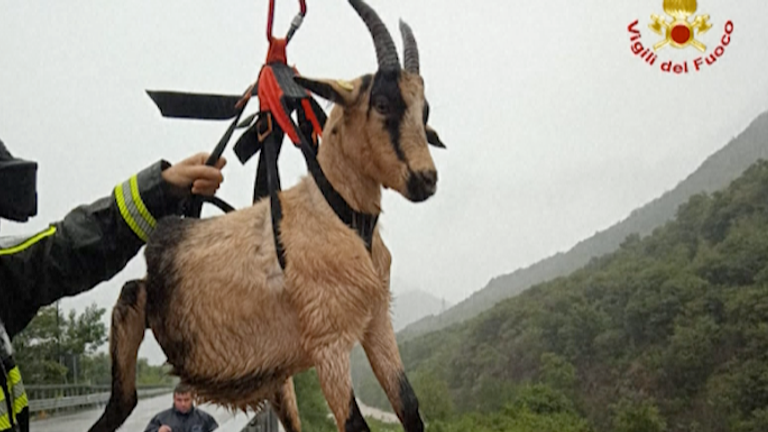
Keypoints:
pixel 234 324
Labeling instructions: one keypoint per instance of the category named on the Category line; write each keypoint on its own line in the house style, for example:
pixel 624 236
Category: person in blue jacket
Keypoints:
pixel 183 416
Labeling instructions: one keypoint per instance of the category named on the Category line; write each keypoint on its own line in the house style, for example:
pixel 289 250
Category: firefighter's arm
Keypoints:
pixel 94 242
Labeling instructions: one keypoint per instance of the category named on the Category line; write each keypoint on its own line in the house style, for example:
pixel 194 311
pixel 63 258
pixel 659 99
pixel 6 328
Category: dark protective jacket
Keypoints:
pixel 89 246
pixel 196 420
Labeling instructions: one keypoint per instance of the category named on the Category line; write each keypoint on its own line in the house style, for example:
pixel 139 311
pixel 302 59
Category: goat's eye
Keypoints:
pixel 381 104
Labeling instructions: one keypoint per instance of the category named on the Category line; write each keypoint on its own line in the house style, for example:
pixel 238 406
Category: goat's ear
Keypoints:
pixel 432 137
pixel 337 91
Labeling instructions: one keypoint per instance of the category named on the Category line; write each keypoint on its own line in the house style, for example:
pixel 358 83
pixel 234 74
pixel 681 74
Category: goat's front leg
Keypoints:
pixel 336 381
pixel 284 404
pixel 380 346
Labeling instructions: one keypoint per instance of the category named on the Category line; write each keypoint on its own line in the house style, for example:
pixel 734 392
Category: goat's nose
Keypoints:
pixel 421 185
pixel 429 178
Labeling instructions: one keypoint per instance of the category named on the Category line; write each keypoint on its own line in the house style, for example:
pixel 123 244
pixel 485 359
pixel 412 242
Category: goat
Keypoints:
pixel 233 323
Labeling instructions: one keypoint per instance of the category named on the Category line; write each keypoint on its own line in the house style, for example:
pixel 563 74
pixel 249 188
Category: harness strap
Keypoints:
pixel 194 205
pixel 269 151
pixel 363 223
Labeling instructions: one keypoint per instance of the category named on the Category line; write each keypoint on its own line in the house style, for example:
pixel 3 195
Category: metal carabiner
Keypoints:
pixel 295 24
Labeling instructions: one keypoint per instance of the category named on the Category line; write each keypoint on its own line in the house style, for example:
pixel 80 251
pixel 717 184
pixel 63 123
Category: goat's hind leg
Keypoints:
pixel 126 334
pixel 284 404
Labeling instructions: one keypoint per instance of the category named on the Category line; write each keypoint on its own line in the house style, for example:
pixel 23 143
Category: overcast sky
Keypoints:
pixel 555 129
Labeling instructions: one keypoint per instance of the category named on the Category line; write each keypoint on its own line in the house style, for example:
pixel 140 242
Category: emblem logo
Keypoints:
pixel 681 29
pixel 679 32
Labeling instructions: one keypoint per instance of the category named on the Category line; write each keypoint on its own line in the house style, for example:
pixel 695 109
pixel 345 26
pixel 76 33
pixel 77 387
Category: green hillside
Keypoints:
pixel 714 174
pixel 668 333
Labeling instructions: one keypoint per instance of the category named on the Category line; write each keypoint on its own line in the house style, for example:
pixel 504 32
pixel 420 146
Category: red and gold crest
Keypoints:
pixel 679 31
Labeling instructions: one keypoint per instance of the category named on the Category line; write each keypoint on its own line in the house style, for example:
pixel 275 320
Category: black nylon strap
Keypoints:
pixel 273 184
pixel 194 206
pixel 363 223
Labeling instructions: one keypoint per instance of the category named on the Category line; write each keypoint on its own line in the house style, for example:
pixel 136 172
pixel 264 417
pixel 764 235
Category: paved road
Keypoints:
pixel 142 414
pixel 147 408
pixel 378 414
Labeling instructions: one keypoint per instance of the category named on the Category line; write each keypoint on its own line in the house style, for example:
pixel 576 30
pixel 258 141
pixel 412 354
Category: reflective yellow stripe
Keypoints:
pixel 140 204
pixel 19 404
pixel 16 249
pixel 126 214
pixel 14 376
pixel 16 387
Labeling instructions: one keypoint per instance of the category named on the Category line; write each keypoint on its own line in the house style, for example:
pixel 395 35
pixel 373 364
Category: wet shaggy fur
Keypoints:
pixel 235 326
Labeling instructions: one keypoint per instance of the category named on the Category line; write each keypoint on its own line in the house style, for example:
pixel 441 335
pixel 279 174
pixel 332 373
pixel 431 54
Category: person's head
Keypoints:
pixel 18 187
pixel 182 398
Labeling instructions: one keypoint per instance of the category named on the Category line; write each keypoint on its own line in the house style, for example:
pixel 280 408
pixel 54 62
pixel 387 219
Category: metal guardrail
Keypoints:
pixel 66 402
pixel 52 398
pixel 265 421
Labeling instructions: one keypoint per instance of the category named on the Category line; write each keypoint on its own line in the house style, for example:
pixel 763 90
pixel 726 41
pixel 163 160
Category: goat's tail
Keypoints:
pixel 126 334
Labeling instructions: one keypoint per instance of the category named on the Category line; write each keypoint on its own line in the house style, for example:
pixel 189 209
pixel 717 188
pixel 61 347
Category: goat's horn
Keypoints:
pixel 385 47
pixel 411 50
